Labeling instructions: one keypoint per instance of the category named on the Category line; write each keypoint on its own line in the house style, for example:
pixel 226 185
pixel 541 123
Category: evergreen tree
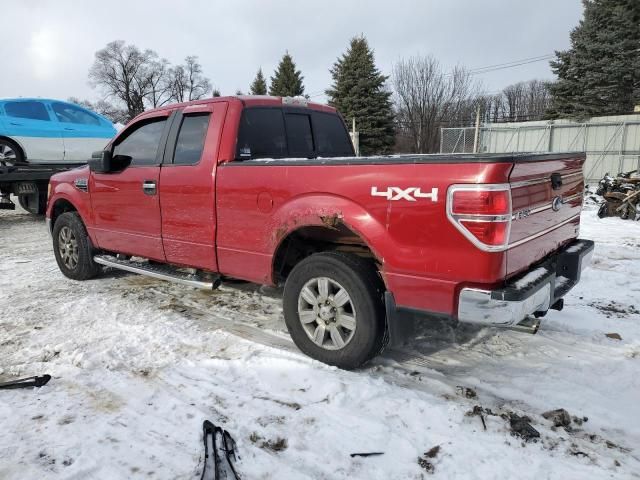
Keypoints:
pixel 359 91
pixel 600 73
pixel 259 84
pixel 216 93
pixel 286 81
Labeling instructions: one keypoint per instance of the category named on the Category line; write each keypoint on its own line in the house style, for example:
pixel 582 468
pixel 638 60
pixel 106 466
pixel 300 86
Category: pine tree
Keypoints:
pixel 286 81
pixel 259 84
pixel 600 73
pixel 359 91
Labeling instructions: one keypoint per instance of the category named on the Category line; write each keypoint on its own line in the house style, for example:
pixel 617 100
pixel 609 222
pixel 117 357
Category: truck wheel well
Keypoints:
pixel 60 207
pixel 306 241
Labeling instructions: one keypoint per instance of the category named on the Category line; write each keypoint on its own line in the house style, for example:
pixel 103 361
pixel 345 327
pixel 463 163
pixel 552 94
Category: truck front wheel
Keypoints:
pixel 334 310
pixel 72 248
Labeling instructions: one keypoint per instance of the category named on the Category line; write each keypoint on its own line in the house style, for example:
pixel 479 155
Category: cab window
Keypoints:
pixel 66 113
pixel 261 134
pixel 299 137
pixel 27 109
pixel 332 138
pixel 303 133
pixel 190 142
pixel 142 143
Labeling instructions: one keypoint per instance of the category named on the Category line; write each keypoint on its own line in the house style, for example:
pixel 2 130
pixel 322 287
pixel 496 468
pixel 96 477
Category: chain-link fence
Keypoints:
pixel 457 140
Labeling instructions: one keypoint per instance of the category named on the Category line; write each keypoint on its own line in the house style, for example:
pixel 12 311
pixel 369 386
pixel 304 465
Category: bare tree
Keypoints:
pixel 426 98
pixel 141 79
pixel 519 102
pixel 159 77
pixel 104 108
pixel 188 82
pixel 123 72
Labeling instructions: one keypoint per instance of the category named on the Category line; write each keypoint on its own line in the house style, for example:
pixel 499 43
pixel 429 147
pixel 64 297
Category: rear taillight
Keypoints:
pixel 482 213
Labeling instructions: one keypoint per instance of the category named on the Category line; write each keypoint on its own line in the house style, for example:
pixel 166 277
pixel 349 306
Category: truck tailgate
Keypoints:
pixel 546 201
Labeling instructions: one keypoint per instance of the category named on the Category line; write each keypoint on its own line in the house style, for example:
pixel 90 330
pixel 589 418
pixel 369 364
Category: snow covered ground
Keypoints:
pixel 138 364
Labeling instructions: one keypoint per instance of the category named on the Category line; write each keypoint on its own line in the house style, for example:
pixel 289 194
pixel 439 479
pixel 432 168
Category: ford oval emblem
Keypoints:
pixel 557 203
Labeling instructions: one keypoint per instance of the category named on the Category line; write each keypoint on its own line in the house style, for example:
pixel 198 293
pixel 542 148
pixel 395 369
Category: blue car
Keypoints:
pixel 37 130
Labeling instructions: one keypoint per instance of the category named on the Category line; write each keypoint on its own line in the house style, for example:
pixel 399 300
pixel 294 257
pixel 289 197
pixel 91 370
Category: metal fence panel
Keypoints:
pixel 612 144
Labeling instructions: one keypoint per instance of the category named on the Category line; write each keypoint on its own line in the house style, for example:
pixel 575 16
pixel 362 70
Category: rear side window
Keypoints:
pixel 261 134
pixel 142 143
pixel 299 136
pixel 190 142
pixel 30 110
pixel 66 113
pixel 331 136
pixel 278 133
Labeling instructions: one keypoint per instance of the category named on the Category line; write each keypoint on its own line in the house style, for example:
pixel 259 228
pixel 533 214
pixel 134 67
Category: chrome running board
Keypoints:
pixel 161 271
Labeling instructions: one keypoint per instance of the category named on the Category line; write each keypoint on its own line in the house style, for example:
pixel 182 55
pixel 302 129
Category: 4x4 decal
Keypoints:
pixel 411 194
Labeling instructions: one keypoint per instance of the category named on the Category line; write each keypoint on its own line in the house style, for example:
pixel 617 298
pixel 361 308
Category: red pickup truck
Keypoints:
pixel 268 190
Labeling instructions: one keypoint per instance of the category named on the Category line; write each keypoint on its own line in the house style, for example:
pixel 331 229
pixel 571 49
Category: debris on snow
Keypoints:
pixel 274 445
pixel 614 336
pixel 559 417
pixel 466 392
pixel 478 411
pixel 521 427
pixel 425 459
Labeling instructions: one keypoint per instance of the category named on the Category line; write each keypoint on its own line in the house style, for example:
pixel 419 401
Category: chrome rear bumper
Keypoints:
pixel 532 293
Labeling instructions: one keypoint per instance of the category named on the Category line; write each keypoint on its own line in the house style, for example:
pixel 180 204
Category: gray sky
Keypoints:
pixel 48 45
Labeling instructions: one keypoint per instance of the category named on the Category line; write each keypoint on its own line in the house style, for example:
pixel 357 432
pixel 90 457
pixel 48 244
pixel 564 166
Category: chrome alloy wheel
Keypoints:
pixel 8 155
pixel 326 313
pixel 68 248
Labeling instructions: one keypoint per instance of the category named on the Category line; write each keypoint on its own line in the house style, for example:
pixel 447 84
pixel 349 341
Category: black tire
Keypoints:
pixel 362 283
pixel 84 267
pixel 17 156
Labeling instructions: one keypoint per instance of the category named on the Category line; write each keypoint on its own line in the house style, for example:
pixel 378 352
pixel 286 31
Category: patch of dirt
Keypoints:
pixel 271 419
pixel 425 460
pixel 466 392
pixel 613 336
pixel 521 427
pixel 66 420
pixel 105 401
pixel 293 405
pixel 274 445
pixel 615 309
pixel 559 417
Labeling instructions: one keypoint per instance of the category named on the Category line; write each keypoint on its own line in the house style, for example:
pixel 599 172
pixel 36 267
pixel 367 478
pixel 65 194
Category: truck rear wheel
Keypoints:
pixel 72 248
pixel 334 309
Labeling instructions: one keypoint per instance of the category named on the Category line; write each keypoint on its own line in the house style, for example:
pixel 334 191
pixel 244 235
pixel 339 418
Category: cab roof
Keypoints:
pixel 251 101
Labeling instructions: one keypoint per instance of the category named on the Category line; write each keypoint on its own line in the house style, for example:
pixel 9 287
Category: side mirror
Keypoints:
pixel 105 162
pixel 100 161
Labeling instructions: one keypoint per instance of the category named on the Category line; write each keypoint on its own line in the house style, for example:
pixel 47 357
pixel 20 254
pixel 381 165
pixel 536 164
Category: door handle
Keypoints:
pixel 149 187
pixel 17 124
pixel 70 129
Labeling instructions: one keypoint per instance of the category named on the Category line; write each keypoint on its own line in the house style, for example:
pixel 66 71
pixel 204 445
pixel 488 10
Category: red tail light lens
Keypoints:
pixel 481 202
pixel 482 213
pixel 489 233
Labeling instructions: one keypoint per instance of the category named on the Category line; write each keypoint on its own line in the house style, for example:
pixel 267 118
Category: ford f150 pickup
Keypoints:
pixel 268 190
